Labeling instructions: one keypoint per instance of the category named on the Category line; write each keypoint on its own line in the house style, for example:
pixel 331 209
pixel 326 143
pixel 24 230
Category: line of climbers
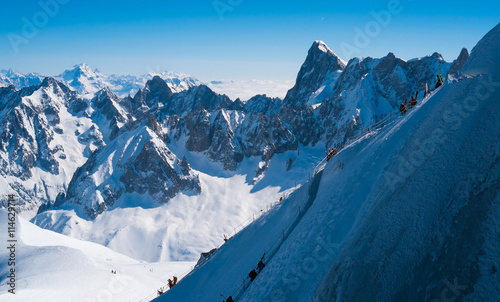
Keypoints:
pixel 403 108
pixel 171 284
pixel 252 275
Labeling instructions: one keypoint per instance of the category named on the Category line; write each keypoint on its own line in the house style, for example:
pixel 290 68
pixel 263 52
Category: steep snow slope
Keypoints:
pixel 405 214
pixel 52 267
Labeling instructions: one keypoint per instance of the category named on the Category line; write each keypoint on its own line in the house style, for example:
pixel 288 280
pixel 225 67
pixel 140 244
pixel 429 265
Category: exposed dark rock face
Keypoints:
pixel 107 104
pixel 137 162
pixel 198 124
pixel 303 124
pixel 152 173
pixel 156 92
pixel 263 104
pixel 197 97
pixel 458 63
pixel 236 105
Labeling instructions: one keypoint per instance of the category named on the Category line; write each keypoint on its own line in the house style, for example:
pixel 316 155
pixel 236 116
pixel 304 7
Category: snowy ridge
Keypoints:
pixel 393 233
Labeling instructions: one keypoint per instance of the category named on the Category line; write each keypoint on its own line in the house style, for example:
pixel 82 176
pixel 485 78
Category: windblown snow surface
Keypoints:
pixel 408 213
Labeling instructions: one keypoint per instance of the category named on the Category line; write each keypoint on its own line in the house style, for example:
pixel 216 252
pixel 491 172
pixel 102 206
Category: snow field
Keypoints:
pixel 53 267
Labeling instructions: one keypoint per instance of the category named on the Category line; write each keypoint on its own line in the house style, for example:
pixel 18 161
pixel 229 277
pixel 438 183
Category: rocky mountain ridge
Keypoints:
pixel 330 101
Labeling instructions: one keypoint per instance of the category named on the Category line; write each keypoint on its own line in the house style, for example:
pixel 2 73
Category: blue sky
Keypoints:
pixel 242 40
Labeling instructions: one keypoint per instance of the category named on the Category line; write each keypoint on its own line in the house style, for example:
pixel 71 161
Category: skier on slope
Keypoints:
pixel 170 283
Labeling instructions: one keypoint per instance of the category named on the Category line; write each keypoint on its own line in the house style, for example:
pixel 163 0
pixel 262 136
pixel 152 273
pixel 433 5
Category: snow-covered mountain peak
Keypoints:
pixel 484 56
pixel 11 73
pixel 322 46
pixel 320 70
pixel 83 79
pixel 438 56
pixel 80 70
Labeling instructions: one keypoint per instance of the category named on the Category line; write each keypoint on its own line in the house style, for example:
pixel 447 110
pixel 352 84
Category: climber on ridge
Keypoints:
pixel 261 264
pixel 253 274
pixel 404 106
pixel 413 101
pixel 439 82
pixel 160 292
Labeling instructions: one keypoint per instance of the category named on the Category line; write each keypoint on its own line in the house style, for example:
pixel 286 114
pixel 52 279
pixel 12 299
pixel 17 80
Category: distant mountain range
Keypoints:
pixel 81 138
pixel 84 80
